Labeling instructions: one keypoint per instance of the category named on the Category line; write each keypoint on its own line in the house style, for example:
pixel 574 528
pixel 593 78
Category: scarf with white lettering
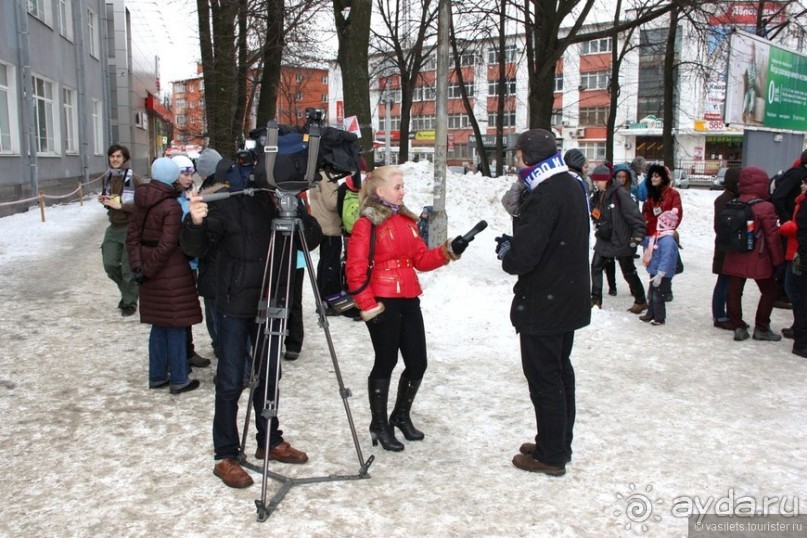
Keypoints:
pixel 534 175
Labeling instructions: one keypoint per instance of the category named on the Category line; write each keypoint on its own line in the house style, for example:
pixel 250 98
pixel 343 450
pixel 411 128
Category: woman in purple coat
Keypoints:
pixel 168 298
pixel 757 264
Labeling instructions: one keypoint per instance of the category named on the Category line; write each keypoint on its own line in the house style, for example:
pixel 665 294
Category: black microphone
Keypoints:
pixel 481 225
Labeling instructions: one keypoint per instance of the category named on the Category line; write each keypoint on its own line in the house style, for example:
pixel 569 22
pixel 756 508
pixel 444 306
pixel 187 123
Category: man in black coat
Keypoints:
pixel 549 253
pixel 239 229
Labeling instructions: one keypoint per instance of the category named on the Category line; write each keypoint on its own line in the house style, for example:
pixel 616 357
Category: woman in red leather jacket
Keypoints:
pixel 388 297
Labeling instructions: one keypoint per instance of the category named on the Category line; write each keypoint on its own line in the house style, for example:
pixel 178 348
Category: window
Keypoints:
pixel 458 121
pixel 508 119
pixel 92 25
pixel 424 93
pixel 298 96
pixel 596 46
pixel 394 122
pixel 557 117
pixel 7 105
pixel 429 64
pixel 66 19
pixel 393 94
pixel 41 10
pixel 324 79
pixel 181 120
pixel 509 87
pixel 510 53
pixel 595 115
pixel 97 127
pixel 298 77
pixel 454 90
pixel 179 87
pixel 324 98
pixel 597 80
pixel 43 116
pixel 179 105
pixel 201 85
pixel 594 151
pixel 191 88
pixel 558 82
pixel 299 114
pixel 70 120
pixel 466 59
pixel 422 123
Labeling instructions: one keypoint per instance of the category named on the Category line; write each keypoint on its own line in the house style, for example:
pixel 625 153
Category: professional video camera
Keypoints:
pixel 283 156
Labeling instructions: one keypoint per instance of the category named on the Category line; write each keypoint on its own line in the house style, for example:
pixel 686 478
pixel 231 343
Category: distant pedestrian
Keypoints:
pixel 117 193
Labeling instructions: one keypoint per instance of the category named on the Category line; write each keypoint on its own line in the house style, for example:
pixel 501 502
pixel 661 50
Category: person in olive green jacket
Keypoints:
pixel 117 193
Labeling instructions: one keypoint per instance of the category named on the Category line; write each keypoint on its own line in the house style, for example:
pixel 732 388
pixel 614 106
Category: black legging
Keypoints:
pixel 401 328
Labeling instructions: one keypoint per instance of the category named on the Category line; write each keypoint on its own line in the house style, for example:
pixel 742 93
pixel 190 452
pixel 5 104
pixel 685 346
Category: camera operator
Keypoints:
pixel 239 229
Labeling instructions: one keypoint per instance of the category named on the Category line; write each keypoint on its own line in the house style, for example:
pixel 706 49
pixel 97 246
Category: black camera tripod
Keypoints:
pixel 273 315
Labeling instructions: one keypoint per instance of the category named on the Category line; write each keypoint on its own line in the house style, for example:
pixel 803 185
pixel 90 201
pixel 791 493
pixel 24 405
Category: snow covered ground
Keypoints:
pixel 663 413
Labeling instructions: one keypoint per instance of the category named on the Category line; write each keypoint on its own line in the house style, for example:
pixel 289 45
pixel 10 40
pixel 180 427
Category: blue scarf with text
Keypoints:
pixel 534 175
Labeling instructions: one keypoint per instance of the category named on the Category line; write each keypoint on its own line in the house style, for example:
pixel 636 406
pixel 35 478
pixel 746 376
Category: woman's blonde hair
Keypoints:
pixel 376 178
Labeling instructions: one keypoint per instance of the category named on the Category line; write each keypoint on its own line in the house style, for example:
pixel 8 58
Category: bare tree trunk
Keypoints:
pixel 241 117
pixel 613 88
pixel 272 58
pixel 217 45
pixel 670 85
pixel 484 164
pixel 501 89
pixel 353 32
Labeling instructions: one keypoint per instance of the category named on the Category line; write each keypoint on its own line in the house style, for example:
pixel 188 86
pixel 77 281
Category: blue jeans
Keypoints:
pixel 168 358
pixel 235 335
pixel 792 286
pixel 719 297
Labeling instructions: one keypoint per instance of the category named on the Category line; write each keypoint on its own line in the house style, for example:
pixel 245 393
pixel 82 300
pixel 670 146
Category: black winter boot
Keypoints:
pixel 380 429
pixel 407 389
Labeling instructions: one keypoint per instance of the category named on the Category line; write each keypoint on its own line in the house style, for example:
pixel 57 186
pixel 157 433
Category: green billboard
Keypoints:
pixel 766 86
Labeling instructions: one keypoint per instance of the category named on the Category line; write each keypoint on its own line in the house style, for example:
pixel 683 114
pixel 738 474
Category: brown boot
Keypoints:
pixel 232 474
pixel 528 463
pixel 283 452
pixel 637 308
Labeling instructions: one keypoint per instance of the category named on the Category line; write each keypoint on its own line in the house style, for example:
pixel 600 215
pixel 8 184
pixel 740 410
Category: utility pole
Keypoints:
pixel 438 223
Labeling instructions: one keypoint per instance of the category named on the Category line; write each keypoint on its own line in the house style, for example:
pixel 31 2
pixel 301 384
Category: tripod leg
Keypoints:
pixel 344 392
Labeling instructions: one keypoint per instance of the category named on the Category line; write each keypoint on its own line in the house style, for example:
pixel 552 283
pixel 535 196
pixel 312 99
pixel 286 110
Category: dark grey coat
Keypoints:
pixel 618 208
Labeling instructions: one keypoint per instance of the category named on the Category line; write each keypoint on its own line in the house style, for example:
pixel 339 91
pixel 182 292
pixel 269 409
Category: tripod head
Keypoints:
pixel 288 202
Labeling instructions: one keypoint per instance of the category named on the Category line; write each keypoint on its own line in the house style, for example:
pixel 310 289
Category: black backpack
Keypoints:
pixel 735 227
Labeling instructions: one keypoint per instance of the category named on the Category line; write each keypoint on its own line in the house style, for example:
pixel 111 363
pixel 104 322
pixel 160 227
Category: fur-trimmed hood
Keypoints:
pixel 378 212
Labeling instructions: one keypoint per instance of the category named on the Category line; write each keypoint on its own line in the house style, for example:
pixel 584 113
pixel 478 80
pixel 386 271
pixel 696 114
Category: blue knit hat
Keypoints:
pixel 165 170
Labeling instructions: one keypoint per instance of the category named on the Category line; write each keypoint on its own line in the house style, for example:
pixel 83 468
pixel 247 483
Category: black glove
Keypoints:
pixel 459 244
pixel 138 276
pixel 503 244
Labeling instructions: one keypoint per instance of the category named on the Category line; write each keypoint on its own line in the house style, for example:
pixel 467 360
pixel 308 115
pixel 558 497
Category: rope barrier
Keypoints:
pixel 40 199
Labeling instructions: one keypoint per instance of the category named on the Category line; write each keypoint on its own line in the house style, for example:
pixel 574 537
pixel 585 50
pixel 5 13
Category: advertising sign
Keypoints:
pixel 767 85
pixel 739 16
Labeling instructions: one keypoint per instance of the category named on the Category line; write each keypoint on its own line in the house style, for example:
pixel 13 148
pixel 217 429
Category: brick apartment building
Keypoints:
pixel 299 88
